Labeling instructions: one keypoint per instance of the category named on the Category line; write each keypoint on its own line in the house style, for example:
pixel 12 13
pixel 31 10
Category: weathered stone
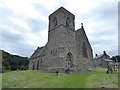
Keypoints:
pixel 66 48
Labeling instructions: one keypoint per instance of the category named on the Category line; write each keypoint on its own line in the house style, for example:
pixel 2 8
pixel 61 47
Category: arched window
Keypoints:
pixel 33 65
pixel 37 64
pixel 69 60
pixel 84 50
pixel 68 21
pixel 55 21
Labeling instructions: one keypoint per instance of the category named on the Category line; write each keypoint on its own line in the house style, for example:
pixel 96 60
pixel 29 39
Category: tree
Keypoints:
pixel 116 58
pixel 13 62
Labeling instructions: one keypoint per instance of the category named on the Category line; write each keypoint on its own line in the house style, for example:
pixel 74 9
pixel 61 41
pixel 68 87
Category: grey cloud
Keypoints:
pixel 11 42
pixel 19 49
pixel 10 37
pixel 41 9
pixel 107 10
pixel 36 25
pixel 104 32
pixel 16 44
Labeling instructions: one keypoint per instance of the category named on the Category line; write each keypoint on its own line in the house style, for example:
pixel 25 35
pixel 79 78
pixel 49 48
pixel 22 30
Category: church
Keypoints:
pixel 66 49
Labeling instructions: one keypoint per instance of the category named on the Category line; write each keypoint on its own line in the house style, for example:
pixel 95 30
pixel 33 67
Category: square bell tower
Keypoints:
pixel 61 17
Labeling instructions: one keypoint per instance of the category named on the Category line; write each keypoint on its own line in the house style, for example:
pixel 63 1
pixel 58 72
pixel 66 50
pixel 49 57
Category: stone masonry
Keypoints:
pixel 66 48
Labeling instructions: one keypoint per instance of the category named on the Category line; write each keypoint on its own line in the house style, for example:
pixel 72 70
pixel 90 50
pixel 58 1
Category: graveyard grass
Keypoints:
pixel 39 79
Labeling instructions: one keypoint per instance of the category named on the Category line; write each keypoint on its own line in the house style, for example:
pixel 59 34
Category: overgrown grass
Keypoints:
pixel 38 79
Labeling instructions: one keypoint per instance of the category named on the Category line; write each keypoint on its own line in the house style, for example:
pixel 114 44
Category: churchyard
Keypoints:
pixel 39 79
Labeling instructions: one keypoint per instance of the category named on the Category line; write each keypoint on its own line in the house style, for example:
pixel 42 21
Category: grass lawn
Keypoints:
pixel 38 79
pixel 0 81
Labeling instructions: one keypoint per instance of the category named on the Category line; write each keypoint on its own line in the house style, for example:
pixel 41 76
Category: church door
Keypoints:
pixel 69 60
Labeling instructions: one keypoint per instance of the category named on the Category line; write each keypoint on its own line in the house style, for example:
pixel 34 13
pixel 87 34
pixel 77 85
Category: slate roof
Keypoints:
pixel 37 52
pixel 99 56
pixel 108 60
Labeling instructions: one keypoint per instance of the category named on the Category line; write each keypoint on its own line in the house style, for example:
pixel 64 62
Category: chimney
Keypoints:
pixel 104 52
pixel 96 55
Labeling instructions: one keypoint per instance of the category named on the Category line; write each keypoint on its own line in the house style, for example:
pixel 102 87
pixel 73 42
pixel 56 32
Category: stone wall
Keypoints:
pixel 63 40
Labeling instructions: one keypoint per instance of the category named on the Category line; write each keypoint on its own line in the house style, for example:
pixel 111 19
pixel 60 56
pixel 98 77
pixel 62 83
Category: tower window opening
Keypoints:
pixel 68 21
pixel 55 21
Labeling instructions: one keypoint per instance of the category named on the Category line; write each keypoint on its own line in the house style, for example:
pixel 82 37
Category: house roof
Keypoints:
pixel 98 56
pixel 108 60
pixel 102 55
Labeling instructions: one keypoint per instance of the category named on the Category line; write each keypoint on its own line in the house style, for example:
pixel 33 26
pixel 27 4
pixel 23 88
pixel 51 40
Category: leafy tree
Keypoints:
pixel 13 62
pixel 116 58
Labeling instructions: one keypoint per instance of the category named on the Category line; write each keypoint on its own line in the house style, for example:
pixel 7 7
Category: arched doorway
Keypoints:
pixel 69 60
pixel 33 65
pixel 38 65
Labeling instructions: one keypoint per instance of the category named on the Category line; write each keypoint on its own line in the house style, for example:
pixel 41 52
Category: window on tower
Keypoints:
pixel 68 21
pixel 55 21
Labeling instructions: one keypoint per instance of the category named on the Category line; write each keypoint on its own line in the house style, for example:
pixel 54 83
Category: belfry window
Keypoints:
pixel 55 21
pixel 37 64
pixel 68 21
pixel 84 50
pixel 51 52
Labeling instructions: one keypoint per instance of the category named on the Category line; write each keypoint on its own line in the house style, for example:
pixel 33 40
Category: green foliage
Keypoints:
pixel 116 58
pixel 39 79
pixel 13 62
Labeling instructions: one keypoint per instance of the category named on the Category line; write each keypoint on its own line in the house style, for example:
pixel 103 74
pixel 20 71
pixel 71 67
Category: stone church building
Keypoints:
pixel 66 49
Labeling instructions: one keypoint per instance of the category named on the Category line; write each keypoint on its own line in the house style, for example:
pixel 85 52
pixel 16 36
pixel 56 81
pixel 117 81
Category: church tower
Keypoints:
pixel 61 17
pixel 61 37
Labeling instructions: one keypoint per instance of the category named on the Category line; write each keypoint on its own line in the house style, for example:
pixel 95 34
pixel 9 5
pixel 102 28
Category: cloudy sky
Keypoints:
pixel 24 23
